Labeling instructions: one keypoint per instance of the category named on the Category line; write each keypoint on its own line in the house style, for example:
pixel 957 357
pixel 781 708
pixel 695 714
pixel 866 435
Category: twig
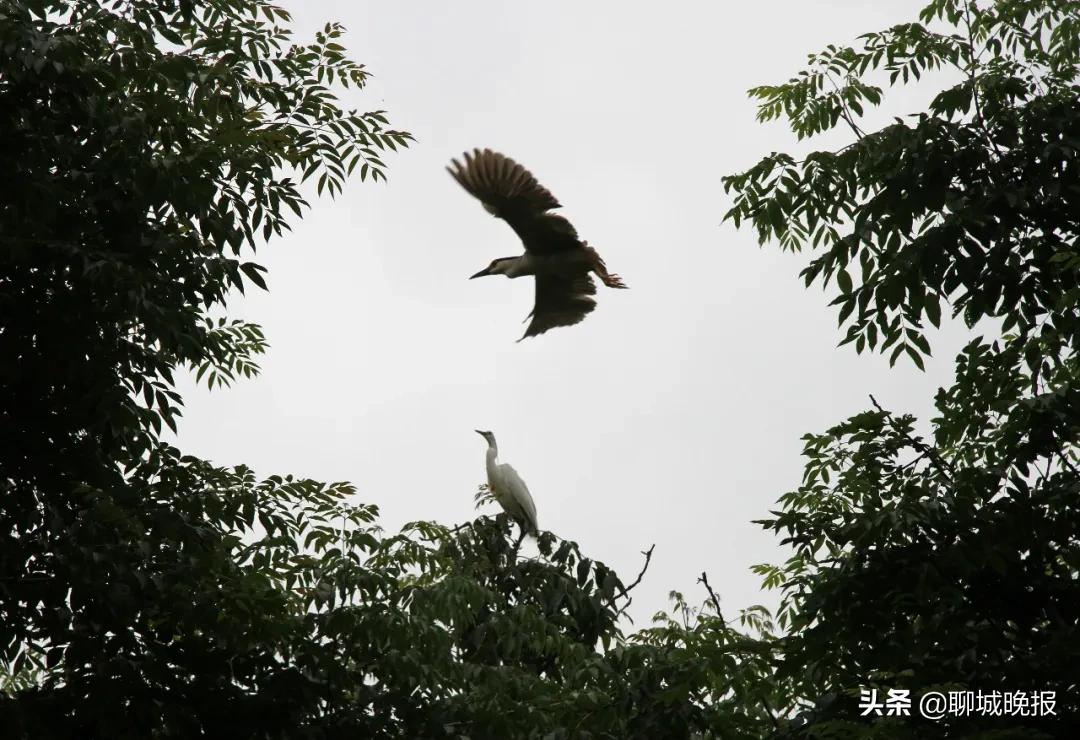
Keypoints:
pixel 626 590
pixel 844 109
pixel 712 595
pixel 1066 463
pixel 716 604
pixel 769 711
pixel 943 465
pixel 972 59
pixel 645 567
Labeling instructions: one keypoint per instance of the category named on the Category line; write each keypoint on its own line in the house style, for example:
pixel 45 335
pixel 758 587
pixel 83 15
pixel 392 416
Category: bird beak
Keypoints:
pixel 480 433
pixel 482 273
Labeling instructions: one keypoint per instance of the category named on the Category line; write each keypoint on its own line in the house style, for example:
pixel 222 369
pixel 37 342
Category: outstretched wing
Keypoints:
pixel 509 191
pixel 518 502
pixel 561 300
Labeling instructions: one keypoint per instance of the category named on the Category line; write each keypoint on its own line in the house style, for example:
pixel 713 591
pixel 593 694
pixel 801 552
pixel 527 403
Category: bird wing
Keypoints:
pixel 518 502
pixel 561 300
pixel 512 193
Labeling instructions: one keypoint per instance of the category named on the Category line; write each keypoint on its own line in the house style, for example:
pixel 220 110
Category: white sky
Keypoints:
pixel 672 414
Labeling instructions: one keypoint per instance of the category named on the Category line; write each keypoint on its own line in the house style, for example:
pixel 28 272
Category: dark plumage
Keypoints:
pixel 560 261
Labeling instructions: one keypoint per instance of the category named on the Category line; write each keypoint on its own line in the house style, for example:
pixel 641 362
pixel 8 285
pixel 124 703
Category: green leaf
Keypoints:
pixel 843 281
pixel 252 270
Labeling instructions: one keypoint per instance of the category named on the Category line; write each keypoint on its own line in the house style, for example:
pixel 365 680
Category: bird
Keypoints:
pixel 559 260
pixel 509 489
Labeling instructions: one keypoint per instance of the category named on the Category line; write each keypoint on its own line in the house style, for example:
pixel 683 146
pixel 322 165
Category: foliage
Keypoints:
pixel 953 559
pixel 150 147
pixel 147 147
pixel 146 593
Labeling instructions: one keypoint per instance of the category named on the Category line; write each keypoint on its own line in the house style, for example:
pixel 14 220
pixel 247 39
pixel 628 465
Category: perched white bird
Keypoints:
pixel 508 488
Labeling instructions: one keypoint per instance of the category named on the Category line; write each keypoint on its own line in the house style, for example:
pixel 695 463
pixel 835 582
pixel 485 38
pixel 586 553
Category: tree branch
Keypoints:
pixel 971 64
pixel 943 465
pixel 844 111
pixel 716 604
pixel 626 590
pixel 648 559
pixel 1065 461
pixel 712 595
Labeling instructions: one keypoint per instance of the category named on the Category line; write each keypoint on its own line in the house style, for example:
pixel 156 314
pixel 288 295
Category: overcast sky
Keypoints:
pixel 672 414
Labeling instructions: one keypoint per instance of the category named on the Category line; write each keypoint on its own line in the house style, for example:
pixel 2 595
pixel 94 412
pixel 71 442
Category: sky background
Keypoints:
pixel 672 414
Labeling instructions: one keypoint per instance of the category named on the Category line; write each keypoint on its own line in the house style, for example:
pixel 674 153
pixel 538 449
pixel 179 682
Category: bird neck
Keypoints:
pixel 514 267
pixel 492 457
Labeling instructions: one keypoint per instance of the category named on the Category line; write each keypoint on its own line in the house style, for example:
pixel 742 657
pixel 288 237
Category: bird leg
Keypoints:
pixel 598 266
pixel 518 543
pixel 612 281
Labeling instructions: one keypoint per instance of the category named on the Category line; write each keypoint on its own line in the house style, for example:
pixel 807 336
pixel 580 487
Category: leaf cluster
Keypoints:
pixel 947 559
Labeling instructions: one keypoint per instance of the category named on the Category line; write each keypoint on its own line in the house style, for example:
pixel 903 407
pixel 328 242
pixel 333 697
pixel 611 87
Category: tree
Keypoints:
pixel 949 561
pixel 148 146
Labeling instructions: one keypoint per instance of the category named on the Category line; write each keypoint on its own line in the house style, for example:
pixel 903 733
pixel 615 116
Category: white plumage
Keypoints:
pixel 508 488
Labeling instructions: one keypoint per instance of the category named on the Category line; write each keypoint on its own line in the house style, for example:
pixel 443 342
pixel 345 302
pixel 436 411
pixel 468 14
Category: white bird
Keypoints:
pixel 509 489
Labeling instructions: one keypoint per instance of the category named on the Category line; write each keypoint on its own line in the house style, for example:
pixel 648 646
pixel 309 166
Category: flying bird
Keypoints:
pixel 508 488
pixel 559 260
